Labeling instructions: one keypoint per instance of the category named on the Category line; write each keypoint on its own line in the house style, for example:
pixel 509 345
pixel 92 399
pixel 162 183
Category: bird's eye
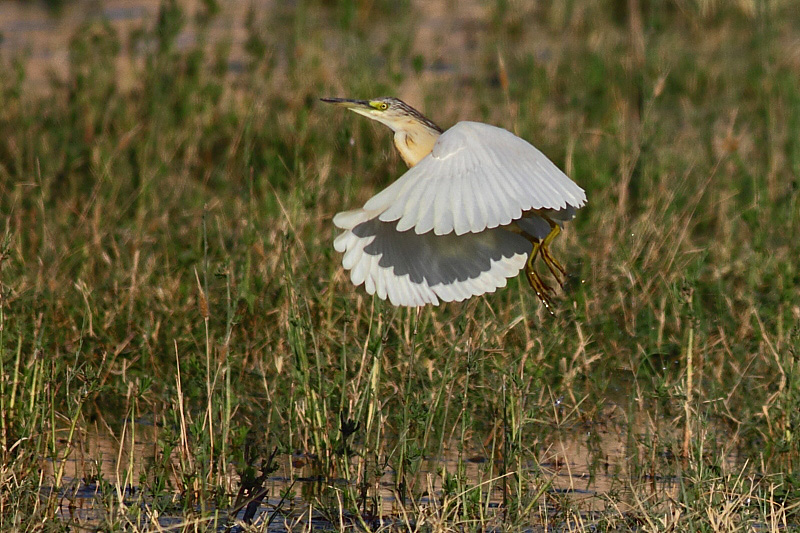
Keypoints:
pixel 383 106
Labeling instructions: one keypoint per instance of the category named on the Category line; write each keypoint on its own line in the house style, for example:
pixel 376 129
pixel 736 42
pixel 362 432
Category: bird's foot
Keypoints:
pixel 555 268
pixel 543 291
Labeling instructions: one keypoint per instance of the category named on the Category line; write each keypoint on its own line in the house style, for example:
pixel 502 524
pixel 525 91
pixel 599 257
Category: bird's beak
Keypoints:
pixel 361 107
pixel 348 103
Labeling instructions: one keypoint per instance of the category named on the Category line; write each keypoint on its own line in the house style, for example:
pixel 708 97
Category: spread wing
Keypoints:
pixel 477 177
pixel 413 270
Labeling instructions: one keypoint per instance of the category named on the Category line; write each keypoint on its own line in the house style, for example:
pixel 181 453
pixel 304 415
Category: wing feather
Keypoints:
pixel 471 199
pixel 460 222
pixel 370 285
pixel 351 257
pixel 425 214
pixel 550 191
pixel 443 213
pixel 413 270
pixel 477 177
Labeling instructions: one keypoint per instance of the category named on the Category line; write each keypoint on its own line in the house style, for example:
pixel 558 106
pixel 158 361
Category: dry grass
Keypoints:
pixel 167 266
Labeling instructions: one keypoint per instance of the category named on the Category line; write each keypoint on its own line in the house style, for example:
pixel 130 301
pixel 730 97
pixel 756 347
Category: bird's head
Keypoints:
pixel 393 112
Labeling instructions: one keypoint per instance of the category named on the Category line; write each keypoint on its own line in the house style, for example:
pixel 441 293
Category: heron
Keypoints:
pixel 477 205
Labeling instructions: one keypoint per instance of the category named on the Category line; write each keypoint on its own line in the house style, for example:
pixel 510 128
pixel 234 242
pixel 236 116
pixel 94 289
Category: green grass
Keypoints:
pixel 167 275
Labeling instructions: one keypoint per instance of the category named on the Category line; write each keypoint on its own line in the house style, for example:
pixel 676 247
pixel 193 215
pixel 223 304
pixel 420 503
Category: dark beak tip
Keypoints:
pixel 345 101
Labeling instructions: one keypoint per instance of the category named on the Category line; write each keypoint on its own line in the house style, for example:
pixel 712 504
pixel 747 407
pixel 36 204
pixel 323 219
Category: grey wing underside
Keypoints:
pixel 412 270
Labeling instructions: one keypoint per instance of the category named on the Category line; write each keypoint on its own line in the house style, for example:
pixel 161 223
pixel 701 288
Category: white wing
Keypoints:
pixel 477 177
pixel 414 270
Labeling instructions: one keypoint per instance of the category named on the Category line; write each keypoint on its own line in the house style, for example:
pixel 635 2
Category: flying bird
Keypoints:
pixel 477 205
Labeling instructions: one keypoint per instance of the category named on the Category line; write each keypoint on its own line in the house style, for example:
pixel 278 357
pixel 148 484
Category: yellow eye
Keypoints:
pixel 378 105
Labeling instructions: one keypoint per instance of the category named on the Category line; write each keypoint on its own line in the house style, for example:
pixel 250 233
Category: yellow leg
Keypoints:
pixel 543 291
pixel 558 271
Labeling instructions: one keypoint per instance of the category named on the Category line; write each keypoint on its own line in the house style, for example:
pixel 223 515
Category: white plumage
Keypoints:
pixel 412 270
pixel 474 209
pixel 436 234
pixel 477 176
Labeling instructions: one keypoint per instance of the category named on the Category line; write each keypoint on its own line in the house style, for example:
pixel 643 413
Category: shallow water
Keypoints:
pixel 40 38
pixel 100 468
